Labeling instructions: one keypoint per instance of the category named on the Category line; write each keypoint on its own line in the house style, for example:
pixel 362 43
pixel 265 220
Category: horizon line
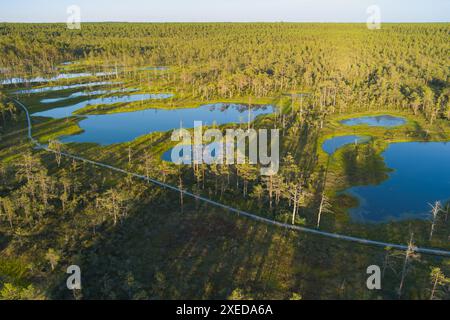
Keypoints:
pixel 199 22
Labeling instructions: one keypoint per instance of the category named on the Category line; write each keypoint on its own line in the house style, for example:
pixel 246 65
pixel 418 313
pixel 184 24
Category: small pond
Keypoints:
pixel 62 76
pixel 154 68
pixel 421 175
pixel 87 94
pixel 210 153
pixel 67 111
pixel 375 121
pixel 331 145
pixel 122 127
pixel 67 87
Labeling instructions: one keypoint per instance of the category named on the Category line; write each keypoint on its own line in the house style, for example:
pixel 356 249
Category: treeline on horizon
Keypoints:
pixel 56 212
pixel 398 66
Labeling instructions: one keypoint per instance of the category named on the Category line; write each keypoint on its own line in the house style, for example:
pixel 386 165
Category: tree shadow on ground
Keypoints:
pixel 159 253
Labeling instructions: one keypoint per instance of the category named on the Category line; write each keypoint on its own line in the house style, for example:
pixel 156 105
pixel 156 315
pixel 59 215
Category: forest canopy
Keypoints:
pixel 399 65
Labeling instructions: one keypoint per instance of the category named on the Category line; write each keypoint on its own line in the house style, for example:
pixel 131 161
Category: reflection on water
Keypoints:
pixel 331 145
pixel 122 127
pixel 375 121
pixel 421 176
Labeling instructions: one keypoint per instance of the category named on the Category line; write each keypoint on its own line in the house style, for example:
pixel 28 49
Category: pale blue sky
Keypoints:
pixel 225 10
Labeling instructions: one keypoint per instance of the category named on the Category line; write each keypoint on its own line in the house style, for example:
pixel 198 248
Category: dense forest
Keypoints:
pixel 399 66
pixel 139 241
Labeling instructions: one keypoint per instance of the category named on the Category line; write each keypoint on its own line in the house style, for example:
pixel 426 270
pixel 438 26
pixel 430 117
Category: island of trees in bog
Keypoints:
pixel 363 118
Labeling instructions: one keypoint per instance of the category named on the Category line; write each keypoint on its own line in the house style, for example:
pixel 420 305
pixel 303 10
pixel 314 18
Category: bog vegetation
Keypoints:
pixel 137 241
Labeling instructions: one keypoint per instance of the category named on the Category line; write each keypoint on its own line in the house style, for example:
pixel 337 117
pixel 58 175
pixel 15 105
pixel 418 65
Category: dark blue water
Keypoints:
pixel 167 156
pixel 421 175
pixel 122 127
pixel 67 111
pixel 331 145
pixel 375 121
